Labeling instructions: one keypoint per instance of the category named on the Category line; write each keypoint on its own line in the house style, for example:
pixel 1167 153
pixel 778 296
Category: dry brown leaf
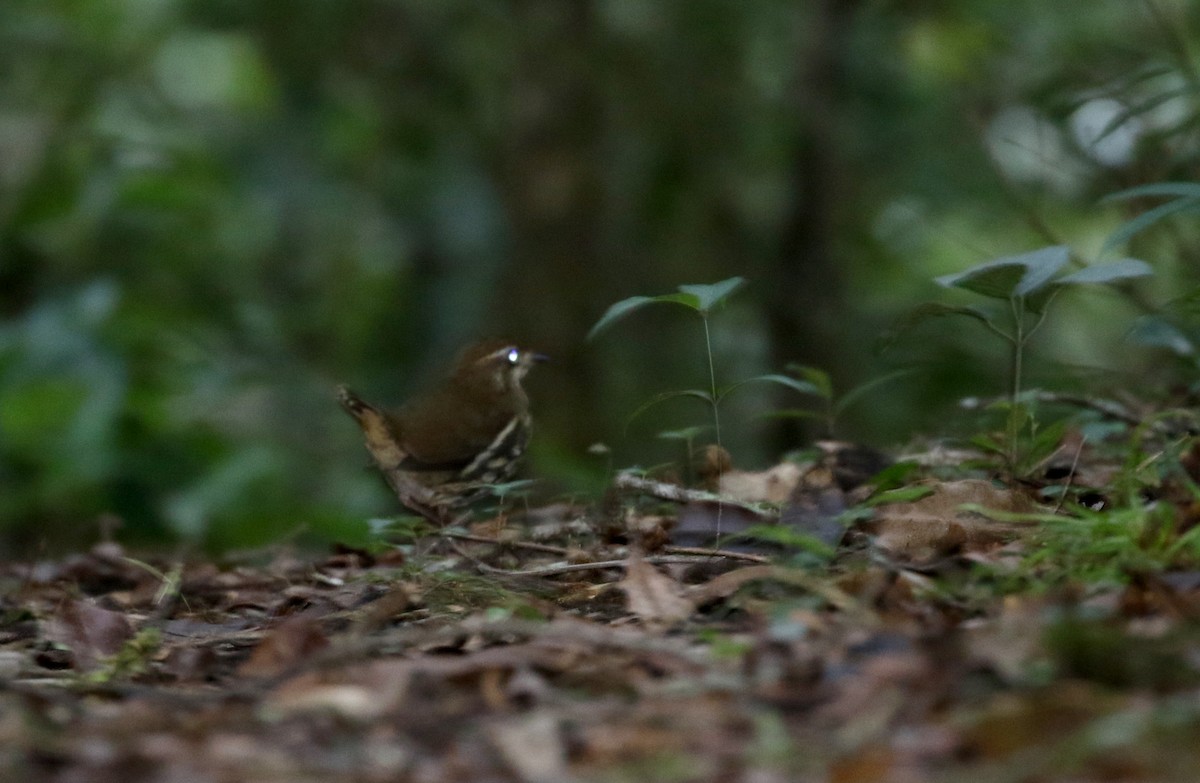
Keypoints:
pixel 384 610
pixel 89 631
pixel 360 692
pixel 1003 642
pixel 698 523
pixel 287 644
pixel 533 747
pixel 937 525
pixel 652 595
pixel 728 583
pixel 768 486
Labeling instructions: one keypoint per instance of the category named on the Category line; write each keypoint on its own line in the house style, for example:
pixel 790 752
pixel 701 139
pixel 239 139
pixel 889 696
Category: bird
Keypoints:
pixel 441 450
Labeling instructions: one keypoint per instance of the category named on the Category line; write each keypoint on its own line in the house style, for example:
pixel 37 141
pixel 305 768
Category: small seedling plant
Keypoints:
pixel 830 405
pixel 1025 285
pixel 702 300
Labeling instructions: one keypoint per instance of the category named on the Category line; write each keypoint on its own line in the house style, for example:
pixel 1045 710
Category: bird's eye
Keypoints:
pixel 513 356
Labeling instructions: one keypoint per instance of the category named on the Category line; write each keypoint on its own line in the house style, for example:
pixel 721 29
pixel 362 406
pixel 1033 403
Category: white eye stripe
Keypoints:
pixel 510 354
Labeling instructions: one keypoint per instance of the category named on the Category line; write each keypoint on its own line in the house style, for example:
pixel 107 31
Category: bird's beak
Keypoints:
pixel 539 357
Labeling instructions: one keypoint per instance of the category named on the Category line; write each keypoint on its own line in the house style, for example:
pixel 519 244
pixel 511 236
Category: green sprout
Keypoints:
pixel 1025 285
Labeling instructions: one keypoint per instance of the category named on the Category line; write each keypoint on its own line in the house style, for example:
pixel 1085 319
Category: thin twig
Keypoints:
pixel 678 494
pixel 709 553
pixel 558 550
pixel 1070 476
pixel 531 546
pixel 565 568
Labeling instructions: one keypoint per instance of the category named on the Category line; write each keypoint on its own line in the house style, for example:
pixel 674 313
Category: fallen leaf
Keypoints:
pixel 284 646
pixel 359 692
pixel 699 522
pixel 730 582
pixel 652 595
pixel 89 631
pixel 816 506
pixel 768 486
pixel 936 525
pixel 533 747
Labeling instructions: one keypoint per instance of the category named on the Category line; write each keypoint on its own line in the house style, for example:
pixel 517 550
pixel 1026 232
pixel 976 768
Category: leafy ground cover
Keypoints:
pixel 926 622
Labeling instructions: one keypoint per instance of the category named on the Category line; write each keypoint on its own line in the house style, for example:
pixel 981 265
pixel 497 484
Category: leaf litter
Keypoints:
pixel 842 632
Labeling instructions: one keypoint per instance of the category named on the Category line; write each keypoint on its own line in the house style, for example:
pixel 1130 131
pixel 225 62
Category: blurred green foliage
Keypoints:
pixel 211 212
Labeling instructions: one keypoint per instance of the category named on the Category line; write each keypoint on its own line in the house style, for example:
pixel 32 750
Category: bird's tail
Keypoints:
pixel 378 434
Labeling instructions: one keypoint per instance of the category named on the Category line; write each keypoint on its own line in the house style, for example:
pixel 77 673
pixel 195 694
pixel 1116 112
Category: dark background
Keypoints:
pixel 213 211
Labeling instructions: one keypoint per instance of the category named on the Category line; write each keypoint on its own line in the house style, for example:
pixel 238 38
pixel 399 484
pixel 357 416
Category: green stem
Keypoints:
pixel 1018 351
pixel 712 382
pixel 1018 346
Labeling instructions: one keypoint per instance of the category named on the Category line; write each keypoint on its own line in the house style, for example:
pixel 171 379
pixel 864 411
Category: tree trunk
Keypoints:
pixel 806 309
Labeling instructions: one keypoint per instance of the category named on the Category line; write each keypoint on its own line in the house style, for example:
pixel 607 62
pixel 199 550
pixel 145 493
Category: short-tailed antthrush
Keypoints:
pixel 440 450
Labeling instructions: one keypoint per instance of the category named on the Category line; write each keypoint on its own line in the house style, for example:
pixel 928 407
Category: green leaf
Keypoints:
pixel 784 536
pixel 925 312
pixel 895 476
pixel 900 495
pixel 663 397
pixel 690 301
pixel 1042 266
pixel 804 387
pixel 618 311
pixel 711 295
pixel 1112 272
pixel 816 376
pixel 1177 189
pixel 996 280
pixel 1158 332
pixel 1148 219
pixel 1011 276
pixel 700 298
pixel 1039 302
pixel 999 515
pixel 1043 442
pixel 936 309
pixel 988 443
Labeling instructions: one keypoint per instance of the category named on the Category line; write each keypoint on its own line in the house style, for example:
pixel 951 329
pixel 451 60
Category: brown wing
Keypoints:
pixel 449 432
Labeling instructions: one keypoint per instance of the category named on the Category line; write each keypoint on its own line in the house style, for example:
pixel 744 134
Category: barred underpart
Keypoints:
pixel 498 462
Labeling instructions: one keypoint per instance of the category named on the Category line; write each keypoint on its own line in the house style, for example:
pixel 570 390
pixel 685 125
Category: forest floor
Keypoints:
pixel 930 627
